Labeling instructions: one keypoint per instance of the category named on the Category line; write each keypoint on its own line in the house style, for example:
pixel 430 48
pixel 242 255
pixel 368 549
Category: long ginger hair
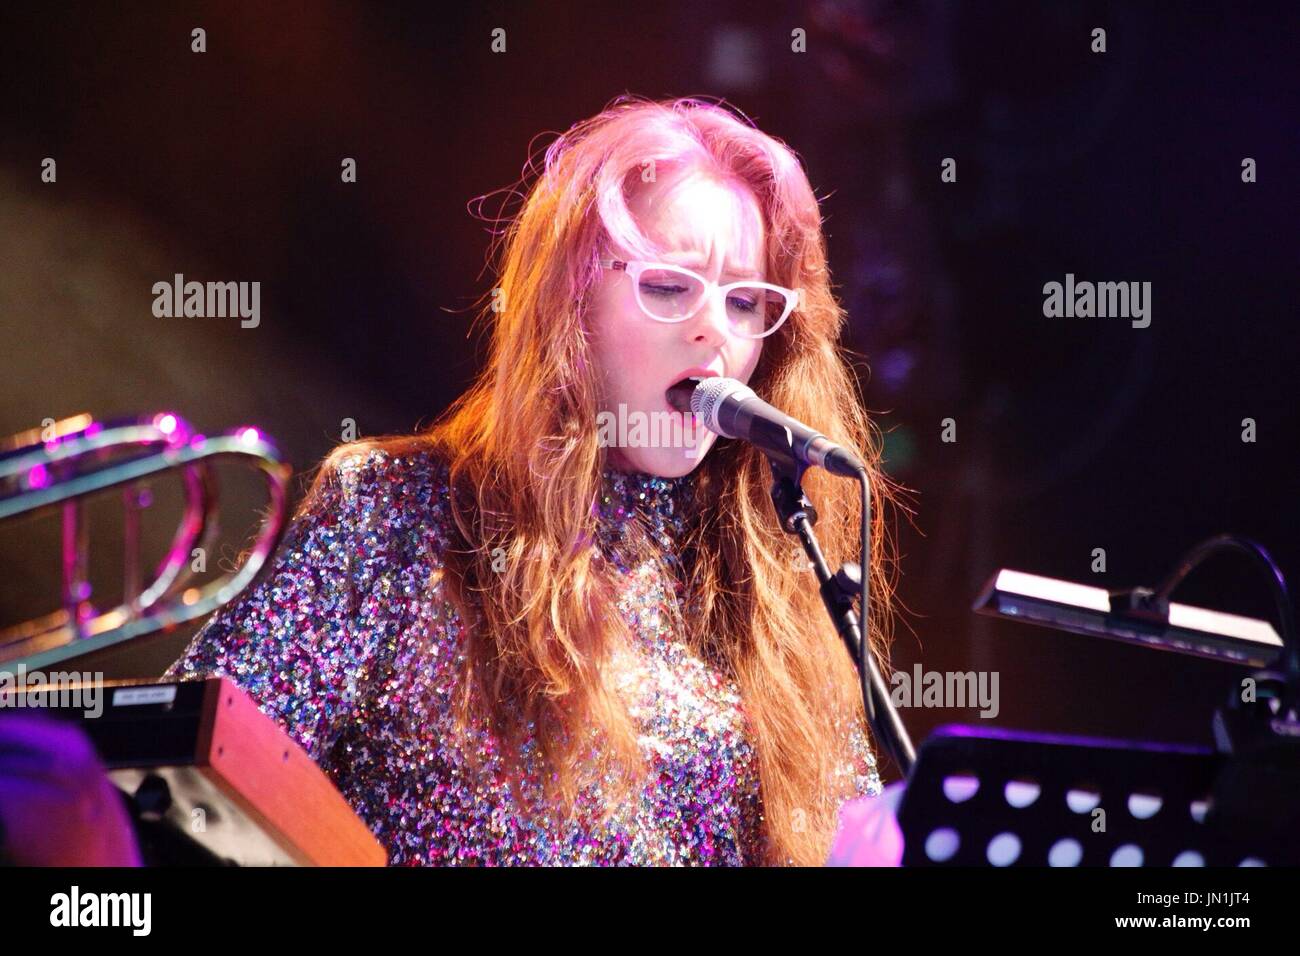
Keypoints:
pixel 525 466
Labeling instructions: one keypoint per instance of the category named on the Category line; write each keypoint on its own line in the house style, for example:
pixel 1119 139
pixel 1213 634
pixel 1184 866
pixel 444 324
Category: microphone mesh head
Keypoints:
pixel 710 394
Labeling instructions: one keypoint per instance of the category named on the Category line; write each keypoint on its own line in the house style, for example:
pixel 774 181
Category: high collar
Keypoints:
pixel 662 506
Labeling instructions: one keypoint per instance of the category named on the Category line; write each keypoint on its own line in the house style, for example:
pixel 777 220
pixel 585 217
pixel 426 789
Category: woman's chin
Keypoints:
pixel 664 462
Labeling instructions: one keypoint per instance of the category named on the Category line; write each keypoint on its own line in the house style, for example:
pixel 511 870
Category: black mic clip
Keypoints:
pixel 787 493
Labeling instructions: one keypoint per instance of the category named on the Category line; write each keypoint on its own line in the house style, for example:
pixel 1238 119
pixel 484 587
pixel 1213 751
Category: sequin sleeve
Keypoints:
pixel 862 771
pixel 290 641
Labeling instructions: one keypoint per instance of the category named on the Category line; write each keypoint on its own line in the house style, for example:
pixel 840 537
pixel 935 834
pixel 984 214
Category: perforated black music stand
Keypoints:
pixel 981 796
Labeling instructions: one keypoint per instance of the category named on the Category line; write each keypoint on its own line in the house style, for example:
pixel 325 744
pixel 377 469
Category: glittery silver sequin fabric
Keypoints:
pixel 347 646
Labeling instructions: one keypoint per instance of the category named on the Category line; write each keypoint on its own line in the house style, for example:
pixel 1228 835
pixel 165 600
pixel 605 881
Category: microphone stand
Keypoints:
pixel 797 516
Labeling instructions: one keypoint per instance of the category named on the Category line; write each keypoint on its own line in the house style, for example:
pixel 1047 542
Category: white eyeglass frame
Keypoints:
pixel 634 268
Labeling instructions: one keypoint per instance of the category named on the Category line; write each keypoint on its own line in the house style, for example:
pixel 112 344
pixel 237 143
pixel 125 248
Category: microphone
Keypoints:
pixel 732 410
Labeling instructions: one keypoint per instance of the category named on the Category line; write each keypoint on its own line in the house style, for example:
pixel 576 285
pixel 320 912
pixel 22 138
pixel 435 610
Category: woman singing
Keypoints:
pixel 522 638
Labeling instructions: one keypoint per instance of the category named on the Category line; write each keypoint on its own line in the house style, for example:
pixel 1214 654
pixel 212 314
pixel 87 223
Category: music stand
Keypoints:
pixel 985 796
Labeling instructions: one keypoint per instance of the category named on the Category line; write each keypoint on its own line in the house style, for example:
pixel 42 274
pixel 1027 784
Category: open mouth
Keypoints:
pixel 678 395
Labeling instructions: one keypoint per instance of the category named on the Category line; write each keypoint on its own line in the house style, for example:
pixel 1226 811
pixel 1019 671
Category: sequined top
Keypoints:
pixel 345 643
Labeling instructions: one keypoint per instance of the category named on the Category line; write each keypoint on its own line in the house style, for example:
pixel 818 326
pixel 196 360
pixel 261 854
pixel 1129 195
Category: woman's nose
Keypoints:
pixel 711 323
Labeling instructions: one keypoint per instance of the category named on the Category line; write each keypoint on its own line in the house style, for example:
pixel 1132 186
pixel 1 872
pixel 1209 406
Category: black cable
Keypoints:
pixel 894 735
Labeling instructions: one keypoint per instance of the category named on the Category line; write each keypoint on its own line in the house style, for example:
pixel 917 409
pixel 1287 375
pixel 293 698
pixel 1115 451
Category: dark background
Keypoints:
pixel 1073 434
